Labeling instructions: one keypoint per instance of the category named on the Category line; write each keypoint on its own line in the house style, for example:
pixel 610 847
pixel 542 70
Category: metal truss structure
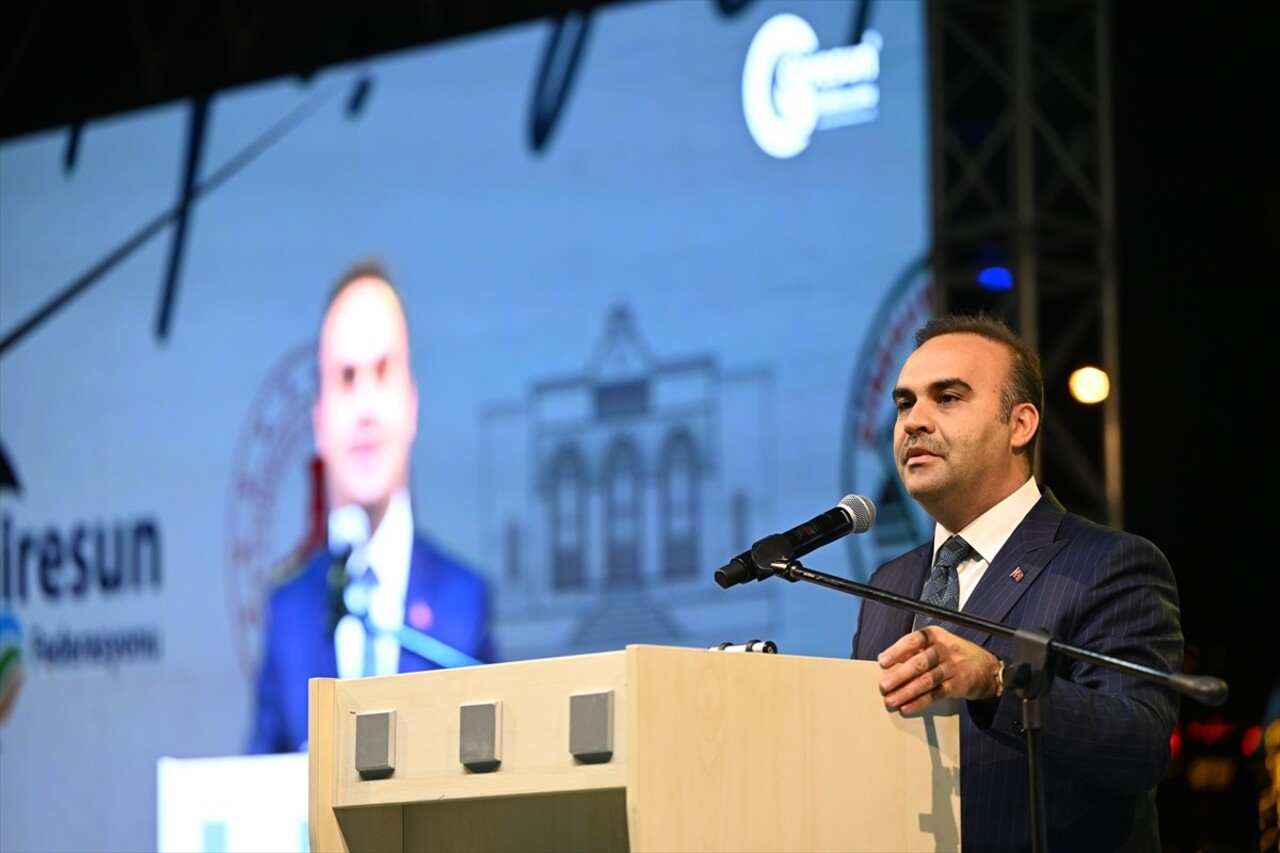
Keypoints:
pixel 1023 179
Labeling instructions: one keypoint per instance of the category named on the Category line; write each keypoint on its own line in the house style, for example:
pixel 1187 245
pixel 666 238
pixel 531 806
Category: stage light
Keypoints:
pixel 1089 385
pixel 995 278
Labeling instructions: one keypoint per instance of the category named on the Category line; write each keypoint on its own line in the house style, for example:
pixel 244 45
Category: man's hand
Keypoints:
pixel 931 664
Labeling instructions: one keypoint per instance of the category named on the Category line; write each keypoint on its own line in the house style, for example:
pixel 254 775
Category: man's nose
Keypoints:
pixel 365 387
pixel 917 419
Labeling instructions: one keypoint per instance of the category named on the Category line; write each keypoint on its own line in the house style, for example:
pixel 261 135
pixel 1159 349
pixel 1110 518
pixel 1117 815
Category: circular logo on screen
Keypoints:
pixel 867 466
pixel 11 670
pixel 274 503
pixel 790 88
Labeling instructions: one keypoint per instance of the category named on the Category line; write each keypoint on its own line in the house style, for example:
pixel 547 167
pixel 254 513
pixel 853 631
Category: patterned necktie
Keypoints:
pixel 943 586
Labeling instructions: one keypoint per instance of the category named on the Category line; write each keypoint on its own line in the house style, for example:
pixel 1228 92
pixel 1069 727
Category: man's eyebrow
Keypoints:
pixel 953 383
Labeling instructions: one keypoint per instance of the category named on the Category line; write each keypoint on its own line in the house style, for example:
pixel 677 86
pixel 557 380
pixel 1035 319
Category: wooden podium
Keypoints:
pixel 653 748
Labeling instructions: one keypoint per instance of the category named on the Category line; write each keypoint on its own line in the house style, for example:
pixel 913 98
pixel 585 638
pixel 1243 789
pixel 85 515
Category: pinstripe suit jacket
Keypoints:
pixel 1105 741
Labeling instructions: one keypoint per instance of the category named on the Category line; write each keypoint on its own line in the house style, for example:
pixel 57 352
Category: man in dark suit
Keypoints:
pixel 425 609
pixel 969 399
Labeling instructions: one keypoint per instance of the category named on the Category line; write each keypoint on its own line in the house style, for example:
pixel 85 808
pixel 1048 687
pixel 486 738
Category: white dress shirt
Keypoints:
pixel 987 534
pixel 388 553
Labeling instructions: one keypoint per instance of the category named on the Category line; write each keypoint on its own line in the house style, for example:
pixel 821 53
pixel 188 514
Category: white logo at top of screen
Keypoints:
pixel 790 88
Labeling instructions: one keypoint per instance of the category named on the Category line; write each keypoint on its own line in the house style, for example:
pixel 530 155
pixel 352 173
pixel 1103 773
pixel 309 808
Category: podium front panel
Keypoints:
pixel 705 750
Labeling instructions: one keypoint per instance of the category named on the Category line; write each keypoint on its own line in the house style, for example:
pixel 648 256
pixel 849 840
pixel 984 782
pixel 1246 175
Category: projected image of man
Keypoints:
pixel 381 598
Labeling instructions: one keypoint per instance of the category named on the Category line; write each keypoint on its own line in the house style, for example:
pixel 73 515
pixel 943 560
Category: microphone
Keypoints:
pixel 348 530
pixel 854 514
pixel 766 647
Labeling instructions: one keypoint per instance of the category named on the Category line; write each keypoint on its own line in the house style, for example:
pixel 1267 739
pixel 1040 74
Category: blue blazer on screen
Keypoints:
pixel 299 646
pixel 1105 742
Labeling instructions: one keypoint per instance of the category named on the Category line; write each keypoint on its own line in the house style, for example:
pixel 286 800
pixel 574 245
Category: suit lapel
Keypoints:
pixel 1016 568
pixel 418 613
pixel 882 625
pixel 418 590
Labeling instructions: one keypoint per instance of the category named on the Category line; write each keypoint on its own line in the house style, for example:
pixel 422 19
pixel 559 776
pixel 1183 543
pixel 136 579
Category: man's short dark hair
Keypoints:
pixel 364 268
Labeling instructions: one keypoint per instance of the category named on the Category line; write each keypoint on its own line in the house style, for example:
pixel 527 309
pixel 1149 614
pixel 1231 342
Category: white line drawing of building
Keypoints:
pixel 611 496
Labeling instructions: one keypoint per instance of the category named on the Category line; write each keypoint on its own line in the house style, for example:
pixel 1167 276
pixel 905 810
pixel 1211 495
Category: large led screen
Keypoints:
pixel 658 285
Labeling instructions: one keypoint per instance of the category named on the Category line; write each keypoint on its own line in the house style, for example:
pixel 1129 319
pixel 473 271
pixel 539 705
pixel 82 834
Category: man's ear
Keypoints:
pixel 1025 420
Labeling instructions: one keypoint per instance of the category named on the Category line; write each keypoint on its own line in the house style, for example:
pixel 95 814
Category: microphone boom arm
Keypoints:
pixel 425 645
pixel 1028 674
pixel 1203 688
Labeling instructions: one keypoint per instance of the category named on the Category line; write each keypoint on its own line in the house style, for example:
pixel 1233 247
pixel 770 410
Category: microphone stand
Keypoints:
pixel 337 581
pixel 1029 672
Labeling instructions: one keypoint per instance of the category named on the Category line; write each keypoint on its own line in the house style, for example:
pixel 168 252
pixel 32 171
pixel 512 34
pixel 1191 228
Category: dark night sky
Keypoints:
pixel 1198 199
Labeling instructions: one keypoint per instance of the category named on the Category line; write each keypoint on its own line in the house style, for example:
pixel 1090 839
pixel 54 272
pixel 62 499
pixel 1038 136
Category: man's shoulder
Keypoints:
pixel 1082 542
pixel 301 572
pixel 1080 528
pixel 1050 521
pixel 442 563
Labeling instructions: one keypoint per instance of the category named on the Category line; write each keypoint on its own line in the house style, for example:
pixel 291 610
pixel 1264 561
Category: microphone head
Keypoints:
pixel 861 511
pixel 348 529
